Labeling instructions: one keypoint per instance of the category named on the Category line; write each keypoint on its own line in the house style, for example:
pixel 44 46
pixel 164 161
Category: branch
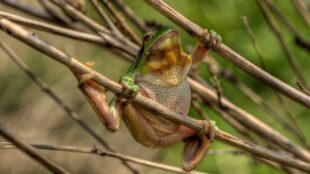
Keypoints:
pixel 95 151
pixel 17 4
pixel 131 15
pixel 121 22
pixel 122 43
pixel 229 54
pixel 50 28
pixel 32 152
pixel 299 39
pixel 32 40
pixel 301 7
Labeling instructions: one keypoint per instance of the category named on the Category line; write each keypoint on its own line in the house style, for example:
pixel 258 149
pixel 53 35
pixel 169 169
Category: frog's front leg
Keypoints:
pixel 202 47
pixel 129 91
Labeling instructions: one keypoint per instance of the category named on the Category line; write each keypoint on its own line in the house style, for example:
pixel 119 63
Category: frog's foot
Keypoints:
pixel 85 78
pixel 129 90
pixel 197 146
pixel 214 39
pixel 210 127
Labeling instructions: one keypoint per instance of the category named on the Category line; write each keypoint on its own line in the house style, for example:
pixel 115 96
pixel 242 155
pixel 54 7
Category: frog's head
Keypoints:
pixel 162 55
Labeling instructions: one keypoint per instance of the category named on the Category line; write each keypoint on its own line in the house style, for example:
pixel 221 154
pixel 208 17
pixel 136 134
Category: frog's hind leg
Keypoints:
pixel 138 126
pixel 95 95
pixel 179 135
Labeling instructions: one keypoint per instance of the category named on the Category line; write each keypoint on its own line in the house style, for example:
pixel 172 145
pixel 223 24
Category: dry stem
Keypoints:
pixel 32 152
pixel 95 151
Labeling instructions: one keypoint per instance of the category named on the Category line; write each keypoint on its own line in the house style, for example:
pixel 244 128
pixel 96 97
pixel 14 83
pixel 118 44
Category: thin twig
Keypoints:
pixel 121 43
pixel 106 19
pixel 229 54
pixel 276 31
pixel 120 21
pixel 299 39
pixel 252 37
pixel 22 6
pixel 73 115
pixel 32 152
pixel 303 10
pixel 145 102
pixel 302 88
pixel 135 19
pixel 51 10
pixel 82 36
pixel 95 151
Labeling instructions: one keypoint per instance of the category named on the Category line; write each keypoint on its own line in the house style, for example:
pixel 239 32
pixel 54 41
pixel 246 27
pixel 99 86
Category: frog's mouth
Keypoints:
pixel 166 42
pixel 165 52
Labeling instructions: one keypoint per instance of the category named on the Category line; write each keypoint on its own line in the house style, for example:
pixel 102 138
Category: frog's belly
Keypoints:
pixel 176 98
pixel 147 127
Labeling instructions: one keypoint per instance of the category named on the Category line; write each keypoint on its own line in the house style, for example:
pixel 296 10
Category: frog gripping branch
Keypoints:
pixel 159 73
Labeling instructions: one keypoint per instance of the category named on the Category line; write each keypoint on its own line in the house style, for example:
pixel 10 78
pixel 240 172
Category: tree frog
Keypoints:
pixel 160 73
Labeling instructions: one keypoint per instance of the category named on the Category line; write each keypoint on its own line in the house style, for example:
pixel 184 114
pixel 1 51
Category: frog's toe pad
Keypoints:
pixel 215 39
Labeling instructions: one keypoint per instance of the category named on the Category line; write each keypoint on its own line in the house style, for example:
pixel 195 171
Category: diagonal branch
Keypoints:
pixel 299 39
pixel 109 42
pixel 32 152
pixel 131 15
pixel 17 4
pixel 302 9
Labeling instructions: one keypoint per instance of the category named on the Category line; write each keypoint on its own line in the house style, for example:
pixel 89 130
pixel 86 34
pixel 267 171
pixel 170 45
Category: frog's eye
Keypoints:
pixel 148 37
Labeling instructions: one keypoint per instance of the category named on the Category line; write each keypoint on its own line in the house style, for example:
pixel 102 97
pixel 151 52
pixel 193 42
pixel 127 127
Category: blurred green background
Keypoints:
pixel 25 110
